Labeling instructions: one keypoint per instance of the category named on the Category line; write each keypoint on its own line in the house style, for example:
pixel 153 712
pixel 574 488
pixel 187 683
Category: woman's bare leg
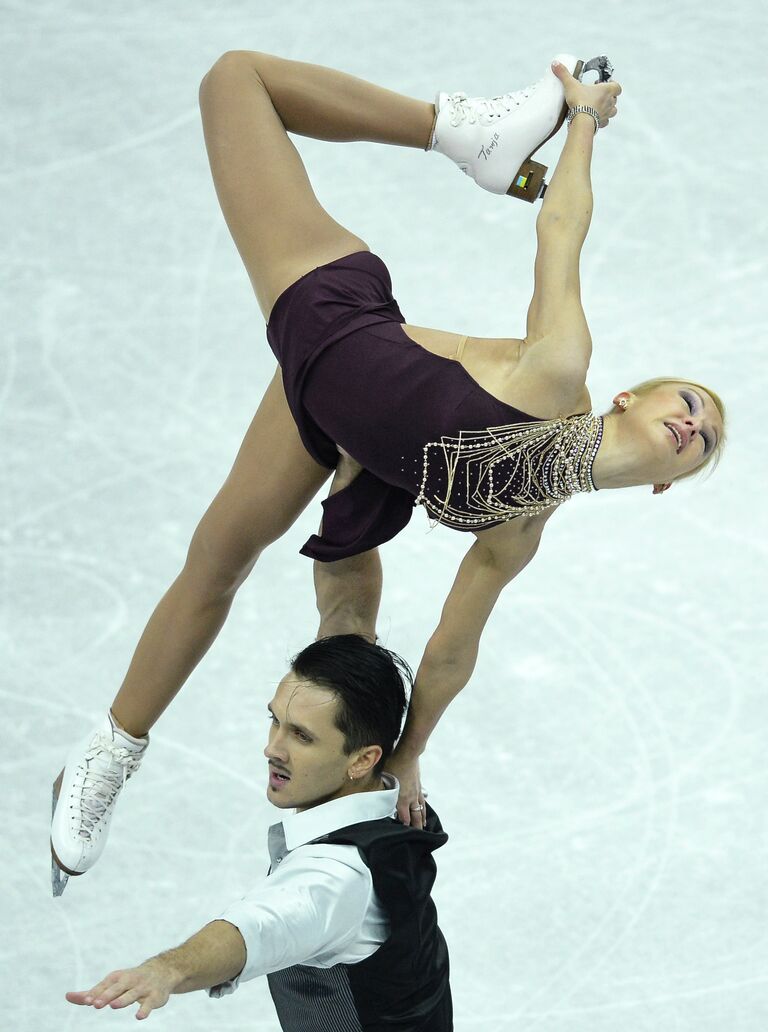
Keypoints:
pixel 248 100
pixel 271 482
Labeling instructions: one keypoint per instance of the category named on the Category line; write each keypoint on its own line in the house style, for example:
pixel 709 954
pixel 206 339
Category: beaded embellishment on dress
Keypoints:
pixel 502 472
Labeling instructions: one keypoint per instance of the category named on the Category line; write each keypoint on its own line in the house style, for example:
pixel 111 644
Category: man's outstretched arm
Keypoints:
pixel 213 955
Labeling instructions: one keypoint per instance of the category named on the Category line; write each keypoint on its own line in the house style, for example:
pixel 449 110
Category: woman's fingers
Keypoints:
pixel 418 811
pixel 422 811
pixel 406 769
pixel 602 97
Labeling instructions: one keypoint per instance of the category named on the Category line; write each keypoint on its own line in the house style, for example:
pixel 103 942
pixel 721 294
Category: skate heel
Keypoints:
pixel 529 183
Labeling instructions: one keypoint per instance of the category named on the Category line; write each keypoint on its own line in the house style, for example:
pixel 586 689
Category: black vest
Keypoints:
pixel 403 986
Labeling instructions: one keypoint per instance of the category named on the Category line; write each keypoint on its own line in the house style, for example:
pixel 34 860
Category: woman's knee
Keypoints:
pixel 218 560
pixel 231 65
pixel 229 540
pixel 236 62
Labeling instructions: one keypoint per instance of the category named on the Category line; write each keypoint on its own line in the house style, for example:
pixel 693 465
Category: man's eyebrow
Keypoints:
pixel 295 727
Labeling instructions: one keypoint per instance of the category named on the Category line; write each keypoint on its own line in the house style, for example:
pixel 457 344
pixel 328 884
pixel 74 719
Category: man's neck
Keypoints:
pixel 374 784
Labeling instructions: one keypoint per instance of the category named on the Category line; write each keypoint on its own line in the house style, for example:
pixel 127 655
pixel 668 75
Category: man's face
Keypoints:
pixel 307 762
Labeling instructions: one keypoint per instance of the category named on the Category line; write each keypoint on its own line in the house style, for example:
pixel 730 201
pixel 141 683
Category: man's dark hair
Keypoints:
pixel 368 682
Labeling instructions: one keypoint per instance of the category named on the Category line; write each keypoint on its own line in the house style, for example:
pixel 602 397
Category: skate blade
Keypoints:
pixel 601 65
pixel 58 878
pixel 59 875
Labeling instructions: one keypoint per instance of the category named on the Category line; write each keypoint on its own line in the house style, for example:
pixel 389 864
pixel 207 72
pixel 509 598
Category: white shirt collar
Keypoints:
pixel 300 828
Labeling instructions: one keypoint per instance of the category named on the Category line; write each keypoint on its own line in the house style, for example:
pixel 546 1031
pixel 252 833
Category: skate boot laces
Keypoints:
pixel 103 777
pixel 485 110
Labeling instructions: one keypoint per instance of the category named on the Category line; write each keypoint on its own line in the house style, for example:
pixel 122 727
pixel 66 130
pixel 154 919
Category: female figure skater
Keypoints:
pixel 489 435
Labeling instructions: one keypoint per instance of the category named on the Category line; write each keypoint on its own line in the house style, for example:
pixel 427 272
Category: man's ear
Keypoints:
pixel 364 761
pixel 661 488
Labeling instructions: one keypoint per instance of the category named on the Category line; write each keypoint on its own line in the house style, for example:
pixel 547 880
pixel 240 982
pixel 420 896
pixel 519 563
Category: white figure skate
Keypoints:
pixel 493 139
pixel 84 796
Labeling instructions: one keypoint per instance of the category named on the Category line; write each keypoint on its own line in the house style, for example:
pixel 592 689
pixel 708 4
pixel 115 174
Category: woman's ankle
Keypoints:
pixel 129 727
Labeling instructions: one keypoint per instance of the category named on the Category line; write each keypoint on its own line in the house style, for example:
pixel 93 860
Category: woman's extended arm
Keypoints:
pixel 569 195
pixel 558 345
pixel 449 659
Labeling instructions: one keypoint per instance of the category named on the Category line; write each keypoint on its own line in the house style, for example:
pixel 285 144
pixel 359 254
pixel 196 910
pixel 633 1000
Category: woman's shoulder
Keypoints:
pixel 548 396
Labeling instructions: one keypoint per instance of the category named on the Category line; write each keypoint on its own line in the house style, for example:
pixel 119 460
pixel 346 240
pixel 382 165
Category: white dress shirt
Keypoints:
pixel 318 906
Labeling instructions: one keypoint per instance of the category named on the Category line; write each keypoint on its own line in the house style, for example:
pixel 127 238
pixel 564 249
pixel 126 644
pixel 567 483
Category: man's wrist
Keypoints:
pixel 170 968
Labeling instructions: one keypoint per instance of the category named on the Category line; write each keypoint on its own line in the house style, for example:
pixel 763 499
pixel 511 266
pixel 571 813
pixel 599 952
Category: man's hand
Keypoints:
pixel 149 985
pixel 405 768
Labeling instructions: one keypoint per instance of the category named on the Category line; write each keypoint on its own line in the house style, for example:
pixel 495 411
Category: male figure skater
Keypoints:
pixel 344 926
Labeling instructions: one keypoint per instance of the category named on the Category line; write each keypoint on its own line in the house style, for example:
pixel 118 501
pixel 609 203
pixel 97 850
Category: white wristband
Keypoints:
pixel 585 109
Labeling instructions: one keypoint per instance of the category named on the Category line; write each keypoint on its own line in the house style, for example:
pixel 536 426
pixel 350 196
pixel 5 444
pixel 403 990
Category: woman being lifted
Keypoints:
pixel 490 436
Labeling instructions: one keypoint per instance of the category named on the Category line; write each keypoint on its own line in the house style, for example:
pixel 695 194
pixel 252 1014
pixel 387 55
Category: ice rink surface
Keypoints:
pixel 603 775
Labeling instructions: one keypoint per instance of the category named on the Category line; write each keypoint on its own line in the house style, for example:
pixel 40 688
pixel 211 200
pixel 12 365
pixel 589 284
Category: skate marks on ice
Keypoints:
pixel 121 290
pixel 120 147
pixel 624 859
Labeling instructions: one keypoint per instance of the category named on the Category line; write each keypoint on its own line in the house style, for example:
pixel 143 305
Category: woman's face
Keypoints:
pixel 675 427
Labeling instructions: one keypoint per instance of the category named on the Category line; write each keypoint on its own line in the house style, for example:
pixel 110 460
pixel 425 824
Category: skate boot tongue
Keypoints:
pixel 493 108
pixel 108 765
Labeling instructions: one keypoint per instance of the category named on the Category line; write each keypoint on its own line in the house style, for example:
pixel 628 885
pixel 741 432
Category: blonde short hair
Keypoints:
pixel 713 458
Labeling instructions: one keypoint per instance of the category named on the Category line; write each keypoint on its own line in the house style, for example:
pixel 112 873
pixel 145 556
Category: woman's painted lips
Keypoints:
pixel 678 436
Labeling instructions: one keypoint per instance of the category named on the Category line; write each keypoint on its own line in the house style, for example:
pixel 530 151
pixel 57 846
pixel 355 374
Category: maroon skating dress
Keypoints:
pixel 353 377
